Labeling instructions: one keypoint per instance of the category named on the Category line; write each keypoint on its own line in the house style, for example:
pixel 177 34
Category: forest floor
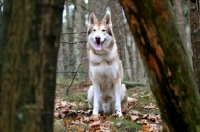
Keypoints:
pixel 71 112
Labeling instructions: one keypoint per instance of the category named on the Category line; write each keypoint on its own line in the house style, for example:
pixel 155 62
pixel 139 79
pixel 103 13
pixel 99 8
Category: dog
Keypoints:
pixel 107 93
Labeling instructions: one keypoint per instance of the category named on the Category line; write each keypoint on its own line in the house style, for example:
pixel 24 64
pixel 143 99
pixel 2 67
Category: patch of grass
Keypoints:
pixel 58 126
pixel 79 97
pixel 83 106
pixel 76 96
pixel 144 97
pixel 126 125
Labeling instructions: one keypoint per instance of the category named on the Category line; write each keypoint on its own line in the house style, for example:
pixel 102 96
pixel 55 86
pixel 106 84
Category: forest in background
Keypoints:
pixel 72 58
pixel 72 65
pixel 175 87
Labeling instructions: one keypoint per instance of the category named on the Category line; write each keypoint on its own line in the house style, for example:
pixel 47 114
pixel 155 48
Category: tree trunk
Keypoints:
pixel 195 39
pixel 80 39
pixel 1 44
pixel 118 26
pixel 128 66
pixel 98 7
pixel 130 58
pixel 181 11
pixel 1 13
pixel 31 36
pixel 166 62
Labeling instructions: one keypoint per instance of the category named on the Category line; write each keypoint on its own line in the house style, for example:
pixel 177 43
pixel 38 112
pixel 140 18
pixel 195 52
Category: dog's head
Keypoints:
pixel 99 33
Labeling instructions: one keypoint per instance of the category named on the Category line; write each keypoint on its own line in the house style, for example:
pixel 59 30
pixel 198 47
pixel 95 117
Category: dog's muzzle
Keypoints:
pixel 98 44
pixel 98 39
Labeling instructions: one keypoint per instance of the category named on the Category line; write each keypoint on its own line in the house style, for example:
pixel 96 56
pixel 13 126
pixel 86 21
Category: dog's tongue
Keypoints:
pixel 98 46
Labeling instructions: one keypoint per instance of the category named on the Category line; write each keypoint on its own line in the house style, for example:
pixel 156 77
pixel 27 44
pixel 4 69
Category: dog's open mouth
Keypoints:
pixel 99 44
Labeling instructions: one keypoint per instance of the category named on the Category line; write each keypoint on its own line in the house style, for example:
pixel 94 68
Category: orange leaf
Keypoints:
pixel 66 122
pixel 145 128
pixel 79 129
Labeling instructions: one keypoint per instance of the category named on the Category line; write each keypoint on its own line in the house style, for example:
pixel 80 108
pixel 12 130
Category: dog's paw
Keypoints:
pixel 118 113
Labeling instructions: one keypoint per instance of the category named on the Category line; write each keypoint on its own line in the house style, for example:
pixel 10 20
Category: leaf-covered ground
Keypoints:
pixel 71 113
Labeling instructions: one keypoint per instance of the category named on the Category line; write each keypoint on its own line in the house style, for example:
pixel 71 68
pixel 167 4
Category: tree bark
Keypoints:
pixel 181 12
pixel 1 13
pixel 98 7
pixel 1 44
pixel 30 34
pixel 166 62
pixel 118 26
pixel 195 39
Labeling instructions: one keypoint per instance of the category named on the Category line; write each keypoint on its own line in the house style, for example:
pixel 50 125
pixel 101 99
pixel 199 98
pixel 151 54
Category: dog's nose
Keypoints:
pixel 97 38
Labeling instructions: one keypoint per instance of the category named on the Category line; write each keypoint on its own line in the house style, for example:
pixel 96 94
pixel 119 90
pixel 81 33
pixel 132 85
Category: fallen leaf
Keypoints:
pixel 134 118
pixel 134 95
pixel 74 104
pixel 56 114
pixel 146 95
pixel 81 104
pixel 118 124
pixel 94 124
pixel 107 124
pixel 145 116
pixel 94 118
pixel 79 129
pixel 145 128
pixel 66 121
pixel 63 103
pixel 151 106
pixel 142 121
pixel 134 112
pixel 153 128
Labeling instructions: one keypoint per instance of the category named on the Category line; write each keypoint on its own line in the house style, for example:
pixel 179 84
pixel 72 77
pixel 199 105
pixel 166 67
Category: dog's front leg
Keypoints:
pixel 117 89
pixel 96 87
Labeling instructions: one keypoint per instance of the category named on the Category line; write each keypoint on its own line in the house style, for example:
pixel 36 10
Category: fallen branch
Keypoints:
pixel 133 84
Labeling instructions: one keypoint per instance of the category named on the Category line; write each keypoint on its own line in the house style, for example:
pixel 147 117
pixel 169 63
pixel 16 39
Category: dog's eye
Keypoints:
pixel 103 30
pixel 94 30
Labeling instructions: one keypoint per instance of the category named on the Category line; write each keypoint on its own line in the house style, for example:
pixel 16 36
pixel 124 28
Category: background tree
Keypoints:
pixel 1 45
pixel 195 38
pixel 118 26
pixel 30 35
pixel 181 13
pixel 166 61
pixel 1 13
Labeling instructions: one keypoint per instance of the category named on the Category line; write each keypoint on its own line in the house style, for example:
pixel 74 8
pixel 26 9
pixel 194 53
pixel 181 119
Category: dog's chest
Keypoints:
pixel 104 71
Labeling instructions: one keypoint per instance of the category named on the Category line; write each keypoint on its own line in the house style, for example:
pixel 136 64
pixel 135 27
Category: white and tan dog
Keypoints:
pixel 107 93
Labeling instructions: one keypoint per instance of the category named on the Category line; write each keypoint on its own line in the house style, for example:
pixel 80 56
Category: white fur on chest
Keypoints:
pixel 104 67
pixel 104 71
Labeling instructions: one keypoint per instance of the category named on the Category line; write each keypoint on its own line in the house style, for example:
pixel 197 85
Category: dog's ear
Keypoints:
pixel 92 18
pixel 107 19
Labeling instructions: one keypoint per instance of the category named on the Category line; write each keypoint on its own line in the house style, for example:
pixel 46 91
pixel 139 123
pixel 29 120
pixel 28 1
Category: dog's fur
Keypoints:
pixel 106 93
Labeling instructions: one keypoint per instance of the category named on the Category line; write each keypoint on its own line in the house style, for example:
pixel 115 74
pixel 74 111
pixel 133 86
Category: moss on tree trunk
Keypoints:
pixel 169 72
pixel 31 37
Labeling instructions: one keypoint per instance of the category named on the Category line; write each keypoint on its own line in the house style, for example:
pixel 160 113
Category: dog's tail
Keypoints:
pixel 131 100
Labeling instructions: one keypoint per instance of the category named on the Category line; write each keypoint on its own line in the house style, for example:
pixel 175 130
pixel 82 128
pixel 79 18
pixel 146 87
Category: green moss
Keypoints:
pixel 198 128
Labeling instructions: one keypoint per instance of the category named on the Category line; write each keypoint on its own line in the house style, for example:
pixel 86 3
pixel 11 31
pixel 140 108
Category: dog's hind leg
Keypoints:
pixel 124 97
